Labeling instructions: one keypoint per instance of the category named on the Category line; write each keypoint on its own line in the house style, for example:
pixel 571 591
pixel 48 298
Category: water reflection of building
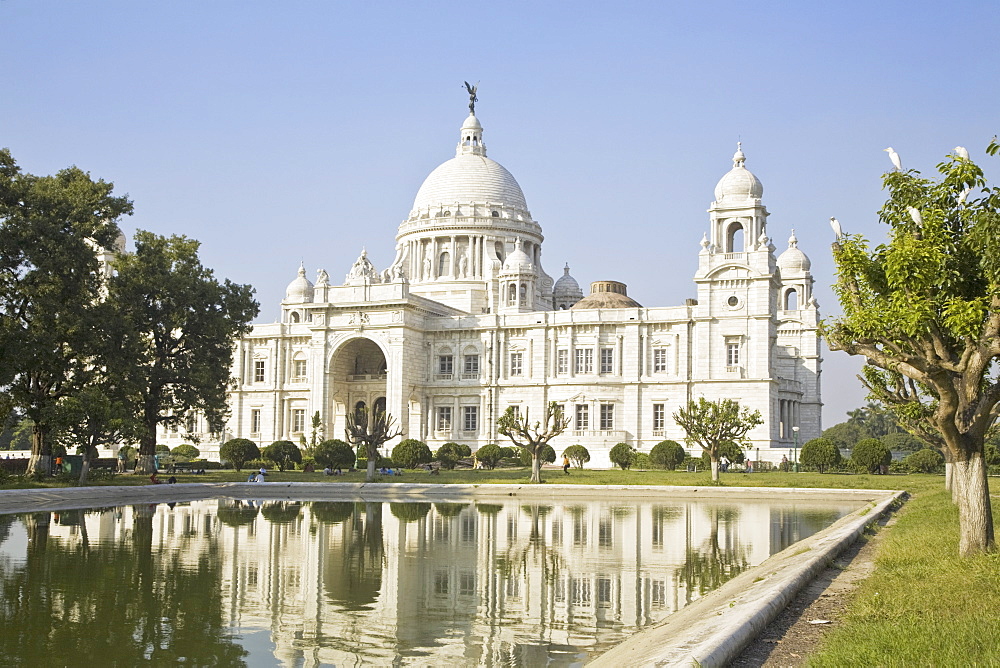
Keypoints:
pixel 453 583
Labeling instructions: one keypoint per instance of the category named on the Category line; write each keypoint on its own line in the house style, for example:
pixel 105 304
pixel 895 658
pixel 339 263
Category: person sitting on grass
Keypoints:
pixel 328 471
pixel 153 479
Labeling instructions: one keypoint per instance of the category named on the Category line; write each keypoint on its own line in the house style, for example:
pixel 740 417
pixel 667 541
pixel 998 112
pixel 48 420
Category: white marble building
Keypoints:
pixel 465 322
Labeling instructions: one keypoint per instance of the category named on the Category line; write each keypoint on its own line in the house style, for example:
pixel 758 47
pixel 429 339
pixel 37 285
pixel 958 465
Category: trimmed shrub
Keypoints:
pixel 511 452
pixel 642 461
pixel 334 453
pixel 577 454
pixel 870 455
pixel 622 455
pixel 925 461
pixel 259 463
pixel 546 456
pixel 667 455
pixel 820 454
pixel 185 452
pixel 449 454
pixel 162 450
pixel 284 454
pixel 238 451
pixel 490 455
pixel 411 453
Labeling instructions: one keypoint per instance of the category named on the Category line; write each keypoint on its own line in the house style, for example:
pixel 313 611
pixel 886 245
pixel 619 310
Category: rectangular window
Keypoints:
pixel 607 417
pixel 582 417
pixel 517 364
pixel 255 421
pixel 659 416
pixel 298 420
pixel 190 422
pixel 516 410
pixel 659 360
pixel 584 360
pixel 299 369
pixel 444 418
pixel 562 362
pixel 258 371
pixel 607 360
pixel 470 418
pixel 472 365
pixel 446 364
pixel 732 352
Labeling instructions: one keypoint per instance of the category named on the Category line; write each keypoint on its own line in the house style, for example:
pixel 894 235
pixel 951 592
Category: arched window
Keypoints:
pixel 524 293
pixel 512 294
pixel 293 317
pixel 495 213
pixel 359 413
pixel 380 405
pixel 734 238
pixel 499 250
pixel 443 264
pixel 792 300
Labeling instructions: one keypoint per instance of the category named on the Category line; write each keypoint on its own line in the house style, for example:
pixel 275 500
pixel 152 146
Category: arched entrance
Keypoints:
pixel 358 374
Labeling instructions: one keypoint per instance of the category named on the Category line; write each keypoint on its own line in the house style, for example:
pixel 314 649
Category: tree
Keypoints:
pixel 175 326
pixel 89 419
pixel 846 434
pixel 284 454
pixel 622 455
pixel 238 451
pixel 185 452
pixel 51 312
pixel 370 430
pixel 903 442
pixel 870 455
pixel 335 454
pixel 925 461
pixel 533 437
pixel 728 449
pixel 490 455
pixel 317 432
pixel 820 454
pixel 411 453
pixel 448 455
pixel 667 455
pixel 710 424
pixel 577 454
pixel 924 310
pixel 546 455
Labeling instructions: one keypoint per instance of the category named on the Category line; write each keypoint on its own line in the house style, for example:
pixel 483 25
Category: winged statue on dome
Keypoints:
pixel 472 96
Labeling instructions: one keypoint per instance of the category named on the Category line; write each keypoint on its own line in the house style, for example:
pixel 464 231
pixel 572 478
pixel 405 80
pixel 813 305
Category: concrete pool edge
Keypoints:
pixel 713 630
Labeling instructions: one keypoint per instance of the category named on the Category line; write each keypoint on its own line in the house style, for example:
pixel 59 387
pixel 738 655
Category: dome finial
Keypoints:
pixel 739 158
pixel 470 140
pixel 566 270
pixel 792 241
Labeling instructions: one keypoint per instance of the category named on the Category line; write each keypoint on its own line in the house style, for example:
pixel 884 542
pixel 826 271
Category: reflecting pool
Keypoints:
pixel 279 583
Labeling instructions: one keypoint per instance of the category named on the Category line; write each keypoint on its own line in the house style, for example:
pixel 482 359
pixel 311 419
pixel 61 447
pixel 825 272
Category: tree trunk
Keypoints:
pixel 715 469
pixel 370 473
pixel 41 451
pixel 85 469
pixel 949 479
pixel 147 450
pixel 536 467
pixel 970 491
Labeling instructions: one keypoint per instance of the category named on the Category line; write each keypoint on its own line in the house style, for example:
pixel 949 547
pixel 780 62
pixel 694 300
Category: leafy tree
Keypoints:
pixel 284 454
pixel 846 434
pixel 448 454
pixel 411 453
pixel 490 455
pixel 52 317
pixel 317 432
pixel 577 454
pixel 925 461
pixel 870 455
pixel 334 453
pixel 90 419
pixel 711 424
pixel 924 310
pixel 370 430
pixel 533 437
pixel 622 455
pixel 185 452
pixel 175 326
pixel 903 442
pixel 728 449
pixel 667 455
pixel 239 451
pixel 820 454
pixel 546 455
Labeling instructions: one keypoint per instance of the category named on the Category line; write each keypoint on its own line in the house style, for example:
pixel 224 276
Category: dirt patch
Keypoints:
pixel 789 640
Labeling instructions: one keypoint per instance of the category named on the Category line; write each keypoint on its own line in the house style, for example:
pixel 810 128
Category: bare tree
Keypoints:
pixel 371 430
pixel 533 437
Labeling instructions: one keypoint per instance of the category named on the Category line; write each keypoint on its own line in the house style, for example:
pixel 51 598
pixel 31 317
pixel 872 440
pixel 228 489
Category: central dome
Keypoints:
pixel 470 179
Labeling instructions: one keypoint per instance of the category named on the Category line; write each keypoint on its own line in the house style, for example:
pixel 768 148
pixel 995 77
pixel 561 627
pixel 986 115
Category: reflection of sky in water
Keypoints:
pixel 343 583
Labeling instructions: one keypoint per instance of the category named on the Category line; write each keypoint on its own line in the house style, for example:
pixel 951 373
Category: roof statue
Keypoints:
pixel 472 96
pixel 363 271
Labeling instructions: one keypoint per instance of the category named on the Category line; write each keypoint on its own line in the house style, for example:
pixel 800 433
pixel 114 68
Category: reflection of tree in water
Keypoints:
pixel 354 578
pixel 450 509
pixel 331 512
pixel 281 512
pixel 237 513
pixel 790 525
pixel 409 512
pixel 6 522
pixel 112 603
pixel 709 566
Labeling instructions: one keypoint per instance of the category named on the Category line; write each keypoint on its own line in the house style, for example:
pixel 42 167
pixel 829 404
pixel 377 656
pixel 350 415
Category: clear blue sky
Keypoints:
pixel 276 132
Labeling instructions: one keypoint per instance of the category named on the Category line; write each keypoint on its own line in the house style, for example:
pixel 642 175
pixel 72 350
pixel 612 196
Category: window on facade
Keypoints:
pixel 512 295
pixel 254 420
pixel 607 360
pixel 584 360
pixel 472 365
pixel 659 360
pixel 517 364
pixel 582 416
pixel 516 410
pixel 258 371
pixel 659 416
pixel 607 416
pixel 298 420
pixel 446 364
pixel 791 300
pixel 562 362
pixel 443 264
pixel 444 418
pixel 299 368
pixel 190 422
pixel 470 418
pixel 732 352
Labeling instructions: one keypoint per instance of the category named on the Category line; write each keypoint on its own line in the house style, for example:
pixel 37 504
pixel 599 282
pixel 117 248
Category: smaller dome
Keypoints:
pixel 299 291
pixel 793 260
pixel 518 262
pixel 607 294
pixel 739 183
pixel 567 286
pixel 472 123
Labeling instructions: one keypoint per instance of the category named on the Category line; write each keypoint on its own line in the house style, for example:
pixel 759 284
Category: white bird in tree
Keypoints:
pixel 962 152
pixel 895 158
pixel 835 224
pixel 915 215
